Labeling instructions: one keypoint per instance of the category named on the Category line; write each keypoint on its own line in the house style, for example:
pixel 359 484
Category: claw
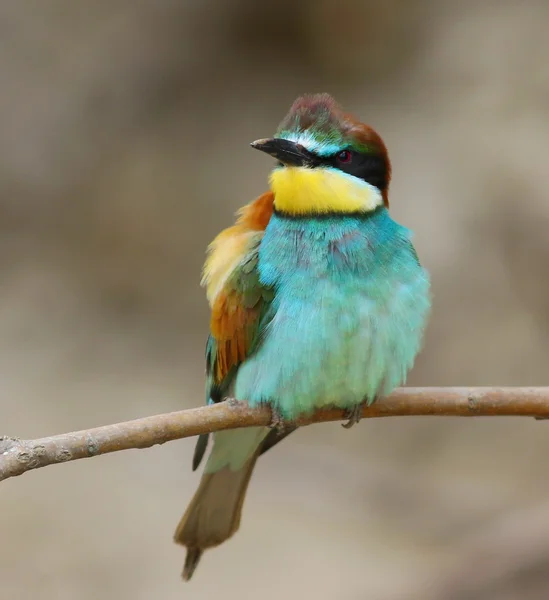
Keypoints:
pixel 353 415
pixel 277 420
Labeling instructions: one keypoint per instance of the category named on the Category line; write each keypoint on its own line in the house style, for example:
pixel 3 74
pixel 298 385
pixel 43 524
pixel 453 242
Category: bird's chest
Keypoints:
pixel 331 295
pixel 332 269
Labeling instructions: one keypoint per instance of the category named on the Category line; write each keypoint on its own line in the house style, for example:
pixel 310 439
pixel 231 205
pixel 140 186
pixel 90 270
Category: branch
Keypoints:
pixel 18 456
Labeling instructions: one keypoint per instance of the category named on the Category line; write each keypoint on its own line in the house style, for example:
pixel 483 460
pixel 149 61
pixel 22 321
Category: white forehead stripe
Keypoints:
pixel 313 145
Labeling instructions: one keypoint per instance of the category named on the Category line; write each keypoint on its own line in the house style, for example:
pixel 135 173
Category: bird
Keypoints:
pixel 318 299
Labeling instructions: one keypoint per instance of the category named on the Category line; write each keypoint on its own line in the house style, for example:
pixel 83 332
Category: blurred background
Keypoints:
pixel 124 149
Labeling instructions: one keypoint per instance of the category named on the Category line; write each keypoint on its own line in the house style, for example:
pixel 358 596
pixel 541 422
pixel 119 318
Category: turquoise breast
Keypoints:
pixel 351 302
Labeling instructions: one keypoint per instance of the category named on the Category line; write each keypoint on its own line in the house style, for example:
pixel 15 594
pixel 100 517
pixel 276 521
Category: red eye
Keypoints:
pixel 344 156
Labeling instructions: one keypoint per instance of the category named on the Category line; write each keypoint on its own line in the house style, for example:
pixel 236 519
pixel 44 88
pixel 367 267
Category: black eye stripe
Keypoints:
pixel 371 168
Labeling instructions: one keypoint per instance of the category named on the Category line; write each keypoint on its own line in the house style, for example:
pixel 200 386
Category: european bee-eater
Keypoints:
pixel 317 299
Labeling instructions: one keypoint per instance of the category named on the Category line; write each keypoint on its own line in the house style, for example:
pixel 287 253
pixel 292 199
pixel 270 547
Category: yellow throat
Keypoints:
pixel 301 191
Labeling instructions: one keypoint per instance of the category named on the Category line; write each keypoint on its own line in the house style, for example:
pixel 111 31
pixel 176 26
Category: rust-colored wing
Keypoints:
pixel 234 291
pixel 239 302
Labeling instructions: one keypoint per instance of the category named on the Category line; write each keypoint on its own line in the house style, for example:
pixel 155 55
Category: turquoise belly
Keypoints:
pixel 347 320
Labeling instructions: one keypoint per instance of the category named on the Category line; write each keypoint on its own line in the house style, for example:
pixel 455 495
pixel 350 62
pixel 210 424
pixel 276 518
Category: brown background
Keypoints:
pixel 124 131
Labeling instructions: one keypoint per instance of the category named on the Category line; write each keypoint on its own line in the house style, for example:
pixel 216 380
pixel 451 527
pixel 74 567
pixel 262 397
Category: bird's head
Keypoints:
pixel 328 161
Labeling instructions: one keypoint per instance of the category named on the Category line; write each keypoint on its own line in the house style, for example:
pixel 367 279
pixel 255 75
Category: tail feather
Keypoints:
pixel 191 562
pixel 213 515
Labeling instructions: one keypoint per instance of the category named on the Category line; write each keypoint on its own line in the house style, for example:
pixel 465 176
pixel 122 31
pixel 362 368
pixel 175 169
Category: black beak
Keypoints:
pixel 288 153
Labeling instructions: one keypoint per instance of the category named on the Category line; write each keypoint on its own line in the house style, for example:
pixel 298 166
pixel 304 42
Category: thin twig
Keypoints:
pixel 18 456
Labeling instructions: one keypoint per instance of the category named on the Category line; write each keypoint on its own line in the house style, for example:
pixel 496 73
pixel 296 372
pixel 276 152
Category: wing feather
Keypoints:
pixel 239 302
pixel 237 297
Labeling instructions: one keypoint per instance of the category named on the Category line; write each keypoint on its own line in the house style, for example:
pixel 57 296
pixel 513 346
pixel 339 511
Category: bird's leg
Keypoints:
pixel 355 414
pixel 277 420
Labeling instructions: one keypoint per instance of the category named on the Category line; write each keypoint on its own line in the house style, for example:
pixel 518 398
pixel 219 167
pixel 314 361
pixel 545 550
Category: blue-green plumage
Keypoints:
pixel 345 322
pixel 347 317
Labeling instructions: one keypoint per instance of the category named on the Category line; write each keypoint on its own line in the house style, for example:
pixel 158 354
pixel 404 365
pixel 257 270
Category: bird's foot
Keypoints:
pixel 354 414
pixel 234 403
pixel 277 420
